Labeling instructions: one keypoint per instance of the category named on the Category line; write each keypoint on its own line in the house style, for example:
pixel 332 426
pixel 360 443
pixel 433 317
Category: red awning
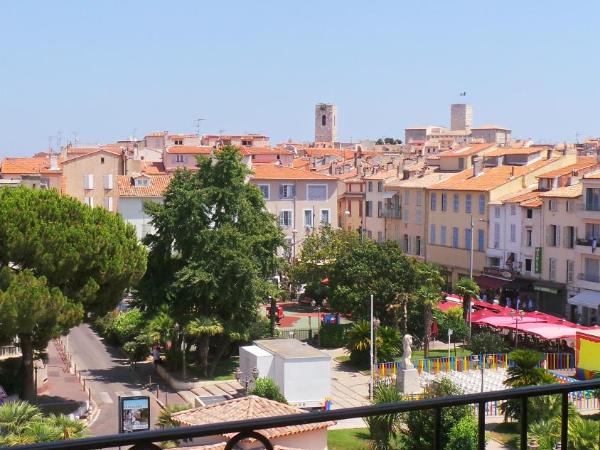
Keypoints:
pixel 325 281
pixel 487 282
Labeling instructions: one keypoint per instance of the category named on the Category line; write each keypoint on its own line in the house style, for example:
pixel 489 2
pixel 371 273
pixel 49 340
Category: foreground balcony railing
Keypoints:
pixel 245 429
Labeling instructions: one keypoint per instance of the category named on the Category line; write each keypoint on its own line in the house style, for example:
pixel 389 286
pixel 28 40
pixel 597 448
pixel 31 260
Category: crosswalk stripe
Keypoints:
pixel 136 392
pixel 105 397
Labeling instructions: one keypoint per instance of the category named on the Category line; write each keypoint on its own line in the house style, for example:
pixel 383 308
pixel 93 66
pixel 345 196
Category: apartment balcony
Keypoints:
pixel 584 245
pixel 509 273
pixel 588 211
pixel 585 281
pixel 392 212
pixel 238 431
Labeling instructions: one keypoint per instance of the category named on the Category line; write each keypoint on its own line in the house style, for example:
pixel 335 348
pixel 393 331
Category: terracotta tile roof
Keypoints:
pixel 516 151
pixel 573 191
pixel 533 203
pixel 249 137
pixel 276 172
pixel 156 186
pixel 421 182
pixel 583 162
pixel 222 445
pixel 153 167
pixel 521 196
pixel 265 151
pixel 383 175
pixel 489 178
pixel 26 166
pixel 156 134
pixel 468 150
pixel 320 152
pixel 189 149
pixel 348 175
pixel 299 163
pixel 250 407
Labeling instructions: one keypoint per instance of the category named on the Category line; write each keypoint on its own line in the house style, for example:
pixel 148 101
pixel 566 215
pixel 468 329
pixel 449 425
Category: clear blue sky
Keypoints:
pixel 105 68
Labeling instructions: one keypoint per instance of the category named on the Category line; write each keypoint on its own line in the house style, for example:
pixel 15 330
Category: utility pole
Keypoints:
pixel 371 353
pixel 471 251
pixel 272 312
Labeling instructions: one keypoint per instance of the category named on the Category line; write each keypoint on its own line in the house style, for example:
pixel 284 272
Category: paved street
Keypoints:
pixel 107 374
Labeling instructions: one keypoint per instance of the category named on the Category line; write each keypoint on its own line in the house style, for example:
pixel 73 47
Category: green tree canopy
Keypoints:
pixel 468 290
pixel 59 259
pixel 213 250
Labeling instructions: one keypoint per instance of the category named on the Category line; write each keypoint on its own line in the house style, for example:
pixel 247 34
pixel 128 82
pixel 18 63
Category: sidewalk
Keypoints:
pixel 63 393
pixel 164 394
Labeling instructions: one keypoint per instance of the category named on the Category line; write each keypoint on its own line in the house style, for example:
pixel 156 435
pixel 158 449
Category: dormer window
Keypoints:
pixel 178 142
pixel 141 182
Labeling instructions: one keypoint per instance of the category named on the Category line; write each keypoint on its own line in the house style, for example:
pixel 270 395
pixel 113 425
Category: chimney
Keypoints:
pixel 512 171
pixel 405 174
pixel 477 163
pixel 53 161
pixel 549 153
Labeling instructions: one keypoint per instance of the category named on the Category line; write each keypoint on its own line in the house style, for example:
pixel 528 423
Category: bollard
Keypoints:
pixel 89 395
pixel 166 399
pixel 157 390
pixel 84 384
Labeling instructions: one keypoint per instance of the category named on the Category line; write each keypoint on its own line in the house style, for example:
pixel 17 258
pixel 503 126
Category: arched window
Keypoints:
pixel 323 120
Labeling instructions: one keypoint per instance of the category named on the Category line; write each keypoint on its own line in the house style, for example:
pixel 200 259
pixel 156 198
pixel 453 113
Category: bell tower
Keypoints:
pixel 325 122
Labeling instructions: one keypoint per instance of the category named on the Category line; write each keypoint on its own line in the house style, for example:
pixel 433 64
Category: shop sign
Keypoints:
pixel 538 260
pixel 549 290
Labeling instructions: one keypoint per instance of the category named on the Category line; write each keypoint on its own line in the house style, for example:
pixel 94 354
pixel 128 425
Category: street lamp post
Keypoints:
pixel 177 328
pixel 449 334
pixel 371 350
pixel 517 316
pixel 471 250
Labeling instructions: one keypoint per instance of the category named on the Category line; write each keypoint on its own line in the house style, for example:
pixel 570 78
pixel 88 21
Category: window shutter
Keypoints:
pixel 281 191
pixel 548 234
pixel 558 235
pixel 281 217
pixel 293 190
pixel 565 237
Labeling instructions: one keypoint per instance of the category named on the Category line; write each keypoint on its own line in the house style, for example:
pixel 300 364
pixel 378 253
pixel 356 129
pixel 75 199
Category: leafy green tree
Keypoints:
pixel 429 295
pixel 453 319
pixel 463 435
pixel 366 269
pixel 468 290
pixel 89 254
pixel 213 250
pixel 487 342
pixel 202 329
pixel 384 429
pixel 419 427
pixel 266 388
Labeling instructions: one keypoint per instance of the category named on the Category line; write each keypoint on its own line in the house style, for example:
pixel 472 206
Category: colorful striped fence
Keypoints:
pixel 551 361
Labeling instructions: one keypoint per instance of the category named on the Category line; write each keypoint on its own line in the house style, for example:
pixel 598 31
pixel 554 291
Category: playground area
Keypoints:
pixel 301 317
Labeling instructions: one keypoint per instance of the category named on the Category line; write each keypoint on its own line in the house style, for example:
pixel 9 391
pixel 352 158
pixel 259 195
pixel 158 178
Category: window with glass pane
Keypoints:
pixel 497 212
pixel 496 235
pixel 592 199
pixel 468 204
pixel 592 230
pixel 285 218
pixel 317 192
pixel 443 235
pixel 444 201
pixel 264 188
pixel 432 234
pixel 468 238
pixel 325 217
pixel 455 203
pixel 481 204
pixel 513 232
pixel 455 237
pixel 308 216
pixel 592 269
pixel 287 191
pixel 419 198
pixel 433 201
pixel 480 240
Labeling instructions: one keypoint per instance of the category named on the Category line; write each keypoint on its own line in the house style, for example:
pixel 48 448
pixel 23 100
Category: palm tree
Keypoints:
pixel 467 289
pixel 524 372
pixel 429 297
pixel 67 427
pixel 358 342
pixel 384 429
pixel 16 415
pixel 429 294
pixel 202 329
pixel 160 327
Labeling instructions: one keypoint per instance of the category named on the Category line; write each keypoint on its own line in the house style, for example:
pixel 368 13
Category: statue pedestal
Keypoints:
pixel 407 381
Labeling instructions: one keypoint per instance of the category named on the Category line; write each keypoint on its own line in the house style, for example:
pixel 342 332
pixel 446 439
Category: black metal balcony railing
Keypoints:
pixel 391 212
pixel 251 428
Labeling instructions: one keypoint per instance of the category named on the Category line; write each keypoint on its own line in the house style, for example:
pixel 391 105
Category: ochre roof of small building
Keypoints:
pixel 489 178
pixel 250 407
pixel 421 182
pixel 383 175
pixel 593 175
pixel 265 151
pixel 26 166
pixel 277 172
pixel 189 149
pixel 573 191
pixel 521 196
pixel 155 189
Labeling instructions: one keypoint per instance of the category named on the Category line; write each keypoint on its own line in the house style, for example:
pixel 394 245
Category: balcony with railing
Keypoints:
pixel 243 430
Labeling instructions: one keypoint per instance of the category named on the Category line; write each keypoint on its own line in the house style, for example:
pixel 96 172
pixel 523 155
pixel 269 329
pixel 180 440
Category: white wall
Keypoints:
pixel 132 210
pixel 307 380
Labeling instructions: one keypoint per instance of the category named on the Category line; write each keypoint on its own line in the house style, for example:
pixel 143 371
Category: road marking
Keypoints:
pixel 105 397
pixel 136 392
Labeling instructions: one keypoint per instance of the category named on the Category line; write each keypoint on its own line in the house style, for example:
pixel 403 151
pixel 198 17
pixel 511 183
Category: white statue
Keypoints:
pixel 407 352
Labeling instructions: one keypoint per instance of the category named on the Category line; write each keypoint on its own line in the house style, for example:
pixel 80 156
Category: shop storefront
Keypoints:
pixel 551 297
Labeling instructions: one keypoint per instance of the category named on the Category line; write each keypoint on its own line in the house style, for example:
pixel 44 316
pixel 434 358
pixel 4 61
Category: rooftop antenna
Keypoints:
pixel 75 137
pixel 50 144
pixel 577 134
pixel 59 140
pixel 198 123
